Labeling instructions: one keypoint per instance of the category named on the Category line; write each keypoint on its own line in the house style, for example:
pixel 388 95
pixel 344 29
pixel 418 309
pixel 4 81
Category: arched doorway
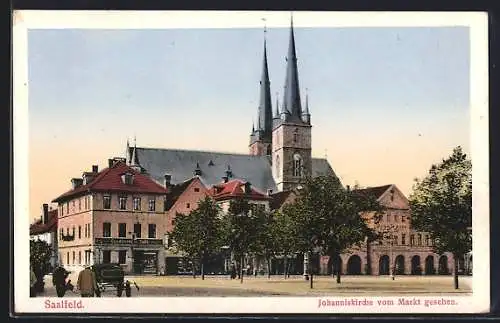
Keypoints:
pixel 383 265
pixel 334 264
pixel 399 264
pixel 415 266
pixel 354 265
pixel 443 265
pixel 429 265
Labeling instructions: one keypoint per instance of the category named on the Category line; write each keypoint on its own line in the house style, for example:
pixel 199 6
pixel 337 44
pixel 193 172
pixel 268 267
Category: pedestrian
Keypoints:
pixel 33 281
pixel 59 280
pixel 233 271
pixel 87 283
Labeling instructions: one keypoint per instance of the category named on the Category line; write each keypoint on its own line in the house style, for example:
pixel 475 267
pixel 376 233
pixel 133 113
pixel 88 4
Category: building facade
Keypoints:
pixel 116 215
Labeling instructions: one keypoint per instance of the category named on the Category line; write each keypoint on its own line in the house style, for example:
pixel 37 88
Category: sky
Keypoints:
pixel 386 103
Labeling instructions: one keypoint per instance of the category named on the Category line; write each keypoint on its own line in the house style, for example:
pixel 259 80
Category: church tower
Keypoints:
pixel 291 135
pixel 261 135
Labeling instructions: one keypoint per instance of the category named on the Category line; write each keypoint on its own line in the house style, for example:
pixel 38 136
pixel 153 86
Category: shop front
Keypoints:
pixel 136 256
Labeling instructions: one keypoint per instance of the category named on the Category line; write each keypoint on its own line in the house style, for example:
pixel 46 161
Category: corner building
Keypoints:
pixel 116 215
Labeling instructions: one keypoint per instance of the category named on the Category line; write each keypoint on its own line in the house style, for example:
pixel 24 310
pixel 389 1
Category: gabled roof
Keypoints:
pixel 110 180
pixel 236 188
pixel 51 226
pixel 176 191
pixel 375 192
pixel 278 199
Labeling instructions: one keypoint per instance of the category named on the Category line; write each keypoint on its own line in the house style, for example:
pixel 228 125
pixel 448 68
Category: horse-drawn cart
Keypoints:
pixel 112 277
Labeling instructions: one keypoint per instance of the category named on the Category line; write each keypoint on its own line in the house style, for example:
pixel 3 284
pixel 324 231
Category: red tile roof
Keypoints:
pixel 235 188
pixel 110 180
pixel 374 192
pixel 51 226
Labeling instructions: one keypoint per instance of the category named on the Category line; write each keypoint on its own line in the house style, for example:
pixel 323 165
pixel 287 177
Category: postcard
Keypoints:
pixel 250 162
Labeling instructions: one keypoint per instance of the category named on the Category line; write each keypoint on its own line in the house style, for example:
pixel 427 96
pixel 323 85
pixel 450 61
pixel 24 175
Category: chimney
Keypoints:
pixel 348 187
pixel 95 169
pixel 225 179
pixel 167 178
pixel 75 182
pixel 269 192
pixel 110 163
pixel 248 188
pixel 45 213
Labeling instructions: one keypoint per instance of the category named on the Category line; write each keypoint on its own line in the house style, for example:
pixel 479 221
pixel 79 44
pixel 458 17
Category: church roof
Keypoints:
pixel 180 164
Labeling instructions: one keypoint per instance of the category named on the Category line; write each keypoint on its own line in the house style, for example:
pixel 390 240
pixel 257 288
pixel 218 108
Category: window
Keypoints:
pixel 152 231
pixel 122 230
pixel 123 202
pixel 85 232
pixel 106 202
pixel 67 207
pixel 122 256
pixel 196 189
pixel 188 205
pixel 295 135
pixel 297 165
pixel 412 240
pixel 61 233
pixel 79 257
pixel 106 256
pixel 427 240
pixel 151 204
pixel 419 239
pixel 79 232
pixel 67 231
pixel 403 239
pixel 62 210
pixel 73 232
pixel 73 257
pixel 137 203
pixel 137 230
pixel 106 229
pixel 79 204
pixel 395 217
pixel 67 258
pixel 402 218
pixel 73 204
pixel 277 165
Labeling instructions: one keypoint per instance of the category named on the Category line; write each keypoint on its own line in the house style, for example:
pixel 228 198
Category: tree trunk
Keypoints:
pixel 285 269
pixel 241 270
pixel 310 274
pixel 268 260
pixel 203 270
pixel 455 271
pixel 194 270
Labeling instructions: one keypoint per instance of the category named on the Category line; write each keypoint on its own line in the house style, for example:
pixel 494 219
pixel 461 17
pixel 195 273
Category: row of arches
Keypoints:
pixel 354 265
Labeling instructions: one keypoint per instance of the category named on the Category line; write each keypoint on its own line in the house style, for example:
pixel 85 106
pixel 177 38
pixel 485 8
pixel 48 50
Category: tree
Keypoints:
pixel 40 253
pixel 328 218
pixel 242 229
pixel 265 242
pixel 284 234
pixel 199 233
pixel 441 204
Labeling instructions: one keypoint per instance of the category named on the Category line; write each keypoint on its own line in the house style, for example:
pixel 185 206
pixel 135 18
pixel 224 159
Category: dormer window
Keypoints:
pixel 128 178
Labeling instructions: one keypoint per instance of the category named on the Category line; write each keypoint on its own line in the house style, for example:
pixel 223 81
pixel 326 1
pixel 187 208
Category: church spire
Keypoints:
pixel 291 97
pixel 265 118
pixel 306 116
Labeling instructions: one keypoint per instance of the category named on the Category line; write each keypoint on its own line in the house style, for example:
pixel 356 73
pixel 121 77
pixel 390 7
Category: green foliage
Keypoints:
pixel 441 204
pixel 40 253
pixel 199 234
pixel 327 218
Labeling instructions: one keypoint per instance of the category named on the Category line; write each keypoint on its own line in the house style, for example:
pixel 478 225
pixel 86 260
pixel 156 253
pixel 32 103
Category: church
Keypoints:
pixel 279 155
pixel 278 161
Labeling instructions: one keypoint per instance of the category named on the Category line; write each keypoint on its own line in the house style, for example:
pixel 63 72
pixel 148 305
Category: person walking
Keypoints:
pixel 59 280
pixel 33 281
pixel 87 283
